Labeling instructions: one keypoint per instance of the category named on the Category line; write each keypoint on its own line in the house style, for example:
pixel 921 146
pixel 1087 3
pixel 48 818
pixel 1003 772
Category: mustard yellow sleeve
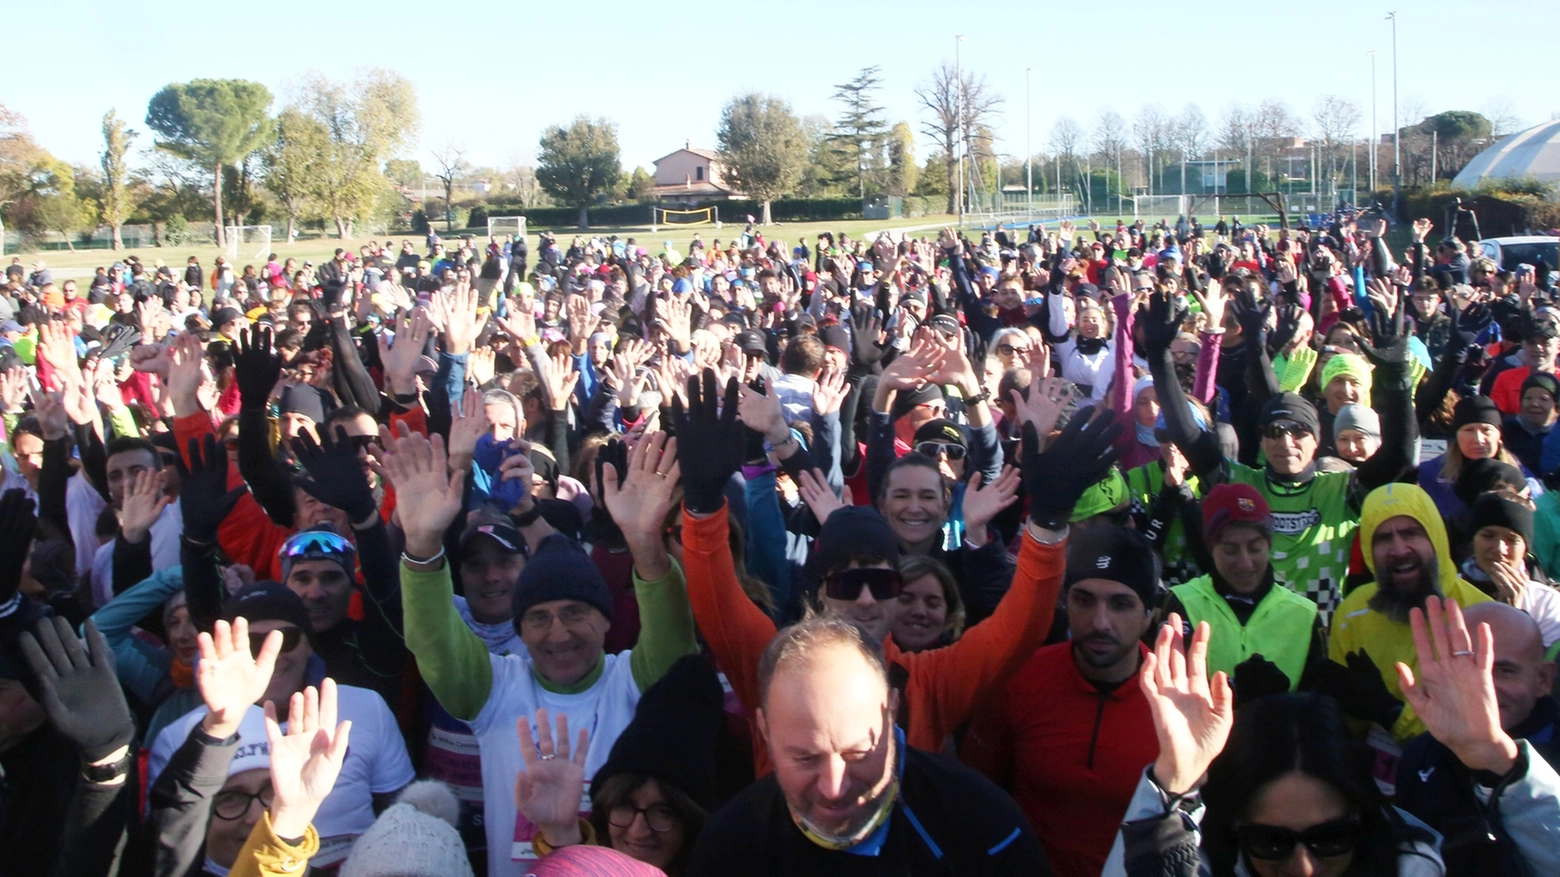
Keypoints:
pixel 266 855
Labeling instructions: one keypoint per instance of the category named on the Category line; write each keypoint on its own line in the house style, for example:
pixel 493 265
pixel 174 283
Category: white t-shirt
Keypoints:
pixel 605 709
pixel 376 764
pixel 1543 603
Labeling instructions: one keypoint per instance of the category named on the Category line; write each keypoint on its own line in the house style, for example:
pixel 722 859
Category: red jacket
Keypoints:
pixel 1070 755
pixel 941 686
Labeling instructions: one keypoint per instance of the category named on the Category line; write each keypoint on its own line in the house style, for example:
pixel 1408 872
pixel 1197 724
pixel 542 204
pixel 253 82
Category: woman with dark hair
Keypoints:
pixel 1288 792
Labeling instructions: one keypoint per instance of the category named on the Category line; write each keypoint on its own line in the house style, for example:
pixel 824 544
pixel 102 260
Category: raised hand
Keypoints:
pixel 1253 316
pixel 1212 300
pixel 819 496
pixel 866 335
pixel 186 371
pixel 1389 341
pixel 982 502
pixel 256 366
pixel 1290 320
pixel 144 501
pixel 1043 407
pixel 416 465
pixel 1193 714
pixel 335 474
pixel 57 349
pixel 641 498
pixel 78 689
pixel 400 359
pixel 461 324
pixel 710 440
pixel 13 388
pixel 558 379
pixel 1453 692
pixel 1161 321
pixel 480 365
pixel 830 392
pixel 204 497
pixel 549 790
pixel 761 412
pixel 581 322
pixel 468 423
pixel 229 677
pixel 307 759
pixel 1467 324
pixel 1421 228
pixel 1075 460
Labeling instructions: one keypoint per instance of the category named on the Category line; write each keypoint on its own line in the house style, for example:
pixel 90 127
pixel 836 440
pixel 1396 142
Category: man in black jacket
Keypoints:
pixel 1436 787
pixel 847 795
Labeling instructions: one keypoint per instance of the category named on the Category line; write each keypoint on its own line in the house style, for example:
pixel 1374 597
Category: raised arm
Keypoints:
pixel 1392 396
pixel 257 367
pixel 1161 323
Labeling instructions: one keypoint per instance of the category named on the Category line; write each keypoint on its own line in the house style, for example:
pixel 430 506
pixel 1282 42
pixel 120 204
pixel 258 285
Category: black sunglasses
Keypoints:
pixel 1327 840
pixel 291 636
pixel 846 585
pixel 1283 428
pixel 932 449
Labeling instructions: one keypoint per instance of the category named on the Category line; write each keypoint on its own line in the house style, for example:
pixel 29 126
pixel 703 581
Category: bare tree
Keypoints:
pixel 1109 142
pixel 941 97
pixel 1334 118
pixel 1066 136
pixel 1151 130
pixel 452 165
pixel 1503 116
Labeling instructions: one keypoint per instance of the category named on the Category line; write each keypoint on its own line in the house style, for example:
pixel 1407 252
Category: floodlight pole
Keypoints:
pixel 1397 156
pixel 958 75
pixel 1373 137
pixel 1029 174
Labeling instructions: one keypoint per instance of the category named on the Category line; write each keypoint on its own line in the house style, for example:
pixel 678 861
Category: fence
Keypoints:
pixel 1018 211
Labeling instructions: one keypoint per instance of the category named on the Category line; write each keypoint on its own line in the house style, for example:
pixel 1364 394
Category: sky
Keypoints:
pixel 490 79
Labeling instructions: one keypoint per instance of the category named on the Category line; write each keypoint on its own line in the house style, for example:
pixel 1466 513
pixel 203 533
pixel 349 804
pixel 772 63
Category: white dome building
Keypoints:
pixel 1534 153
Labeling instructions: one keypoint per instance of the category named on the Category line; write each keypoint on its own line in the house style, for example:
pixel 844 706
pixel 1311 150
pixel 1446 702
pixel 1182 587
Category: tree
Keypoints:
pixel 366 122
pixel 212 123
pixel 579 164
pixel 1110 141
pixel 903 172
pixel 1454 136
pixel 1152 130
pixel 19 155
pixel 290 165
pixel 1189 132
pixel 1335 118
pixel 1066 135
pixel 640 184
pixel 861 127
pixel 451 165
pixel 404 172
pixel 948 97
pixel 1503 117
pixel 762 146
pixel 116 201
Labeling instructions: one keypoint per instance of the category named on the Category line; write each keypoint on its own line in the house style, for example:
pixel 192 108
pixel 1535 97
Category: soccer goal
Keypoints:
pixel 500 225
pixel 701 216
pixel 246 239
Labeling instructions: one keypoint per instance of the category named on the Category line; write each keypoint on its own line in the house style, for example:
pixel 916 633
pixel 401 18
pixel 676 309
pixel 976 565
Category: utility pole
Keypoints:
pixel 1374 140
pixel 1397 154
pixel 1029 173
pixel 958 72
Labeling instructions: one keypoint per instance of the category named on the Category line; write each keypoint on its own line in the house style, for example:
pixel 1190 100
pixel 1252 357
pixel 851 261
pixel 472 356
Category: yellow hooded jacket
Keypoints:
pixel 1356 626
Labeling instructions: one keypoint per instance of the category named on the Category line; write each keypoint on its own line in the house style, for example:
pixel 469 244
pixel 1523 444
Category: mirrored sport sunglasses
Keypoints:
pixel 316 542
pixel 846 585
pixel 932 449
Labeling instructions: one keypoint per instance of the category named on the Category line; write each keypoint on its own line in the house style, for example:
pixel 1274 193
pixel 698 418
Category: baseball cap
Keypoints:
pixel 751 341
pixel 501 532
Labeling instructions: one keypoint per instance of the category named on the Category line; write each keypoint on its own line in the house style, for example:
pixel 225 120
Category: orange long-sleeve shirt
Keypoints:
pixel 942 685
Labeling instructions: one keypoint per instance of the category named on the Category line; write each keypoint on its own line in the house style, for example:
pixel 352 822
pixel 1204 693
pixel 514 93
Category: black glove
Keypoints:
pixel 1388 344
pixel 1258 677
pixel 865 326
pixel 204 498
pixel 1358 688
pixel 1253 317
pixel 1467 325
pixel 1077 458
pixel 17 522
pixel 710 443
pixel 1161 322
pixel 78 689
pixel 335 474
pixel 256 366
pixel 615 453
pixel 1288 327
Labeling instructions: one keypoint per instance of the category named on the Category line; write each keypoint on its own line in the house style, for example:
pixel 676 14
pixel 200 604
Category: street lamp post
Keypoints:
pixel 1397 156
pixel 1029 173
pixel 1373 137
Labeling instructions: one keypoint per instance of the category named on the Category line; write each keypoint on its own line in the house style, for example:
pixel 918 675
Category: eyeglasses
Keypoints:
pixel 234 804
pixel 659 817
pixel 846 585
pixel 291 636
pixel 316 541
pixel 540 619
pixel 1010 350
pixel 1282 428
pixel 932 449
pixel 1325 841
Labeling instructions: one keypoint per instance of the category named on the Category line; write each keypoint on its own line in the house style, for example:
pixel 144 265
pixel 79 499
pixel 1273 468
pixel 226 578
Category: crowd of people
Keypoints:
pixel 1146 550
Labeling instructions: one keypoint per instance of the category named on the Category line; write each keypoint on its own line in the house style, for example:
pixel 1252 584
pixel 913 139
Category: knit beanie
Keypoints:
pixel 1349 365
pixel 1360 418
pixel 268 601
pixel 1494 510
pixel 1546 382
pixel 1104 495
pixel 1234 503
pixel 674 733
pixel 835 336
pixel 415 837
pixel 908 400
pixel 1475 409
pixel 1115 554
pixel 309 401
pixel 560 570
pixel 852 533
pixel 1291 406
pixel 1482 476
